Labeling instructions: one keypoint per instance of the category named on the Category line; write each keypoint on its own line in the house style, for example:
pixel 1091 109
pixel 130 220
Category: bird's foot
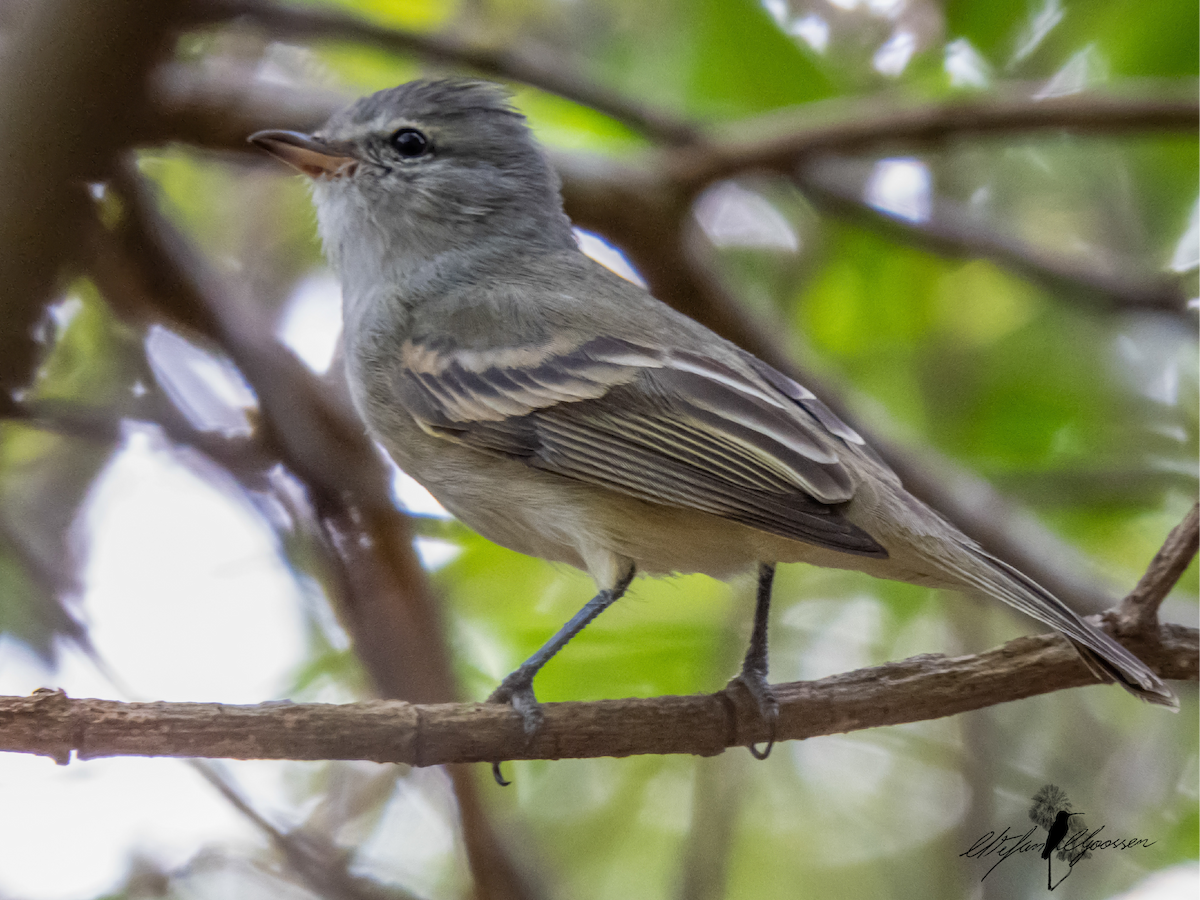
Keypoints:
pixel 755 682
pixel 517 691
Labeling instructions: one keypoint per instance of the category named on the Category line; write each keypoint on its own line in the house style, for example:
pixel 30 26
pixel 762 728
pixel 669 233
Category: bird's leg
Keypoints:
pixel 754 669
pixel 517 688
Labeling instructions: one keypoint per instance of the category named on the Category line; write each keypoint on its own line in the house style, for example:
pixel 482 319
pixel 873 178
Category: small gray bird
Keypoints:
pixel 565 413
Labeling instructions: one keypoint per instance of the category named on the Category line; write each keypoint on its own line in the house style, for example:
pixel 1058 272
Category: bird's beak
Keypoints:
pixel 312 156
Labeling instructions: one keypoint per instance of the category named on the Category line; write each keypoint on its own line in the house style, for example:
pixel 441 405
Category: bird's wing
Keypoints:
pixel 674 427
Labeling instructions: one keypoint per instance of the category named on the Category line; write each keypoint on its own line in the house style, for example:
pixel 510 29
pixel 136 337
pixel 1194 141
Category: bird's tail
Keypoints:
pixel 1107 659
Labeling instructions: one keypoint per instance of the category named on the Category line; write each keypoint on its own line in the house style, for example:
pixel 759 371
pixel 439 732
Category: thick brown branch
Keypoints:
pixel 916 689
pixel 70 95
pixel 1139 610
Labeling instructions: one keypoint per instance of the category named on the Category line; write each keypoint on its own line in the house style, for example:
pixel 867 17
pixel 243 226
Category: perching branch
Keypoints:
pixel 924 687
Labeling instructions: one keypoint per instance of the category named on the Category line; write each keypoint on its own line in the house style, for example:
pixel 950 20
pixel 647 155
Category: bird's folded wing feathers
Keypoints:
pixel 677 427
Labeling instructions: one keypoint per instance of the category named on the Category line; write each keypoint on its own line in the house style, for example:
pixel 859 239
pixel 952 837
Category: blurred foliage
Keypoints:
pixel 1089 417
pixel 44 476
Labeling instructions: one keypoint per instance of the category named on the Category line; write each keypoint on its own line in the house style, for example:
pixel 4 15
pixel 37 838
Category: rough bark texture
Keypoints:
pixel 916 689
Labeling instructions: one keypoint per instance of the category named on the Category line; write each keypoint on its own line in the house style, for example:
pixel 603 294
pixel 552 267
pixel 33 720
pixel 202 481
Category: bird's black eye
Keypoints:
pixel 410 143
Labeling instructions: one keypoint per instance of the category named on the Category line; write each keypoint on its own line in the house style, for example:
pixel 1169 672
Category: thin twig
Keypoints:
pixel 1139 610
pixel 777 141
pixel 950 230
pixel 317 860
pixel 539 70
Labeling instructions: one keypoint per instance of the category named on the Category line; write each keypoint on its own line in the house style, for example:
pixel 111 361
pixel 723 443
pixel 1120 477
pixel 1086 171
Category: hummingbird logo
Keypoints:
pixel 1067 838
pixel 1058 831
pixel 1052 811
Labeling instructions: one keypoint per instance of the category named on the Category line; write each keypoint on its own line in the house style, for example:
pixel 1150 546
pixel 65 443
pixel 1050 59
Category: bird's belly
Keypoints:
pixel 600 531
pixel 559 519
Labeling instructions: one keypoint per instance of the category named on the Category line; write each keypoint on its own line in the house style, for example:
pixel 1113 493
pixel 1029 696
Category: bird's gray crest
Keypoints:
pixel 446 100
pixel 446 96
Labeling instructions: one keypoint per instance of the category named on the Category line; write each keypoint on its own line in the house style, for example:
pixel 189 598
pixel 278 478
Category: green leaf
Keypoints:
pixel 742 63
pixel 1143 40
pixel 991 27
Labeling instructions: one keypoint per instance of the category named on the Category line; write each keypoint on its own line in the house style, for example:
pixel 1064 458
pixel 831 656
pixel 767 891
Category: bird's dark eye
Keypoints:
pixel 410 143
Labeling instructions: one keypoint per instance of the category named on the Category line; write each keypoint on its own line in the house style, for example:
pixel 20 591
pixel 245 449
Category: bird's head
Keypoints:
pixel 425 168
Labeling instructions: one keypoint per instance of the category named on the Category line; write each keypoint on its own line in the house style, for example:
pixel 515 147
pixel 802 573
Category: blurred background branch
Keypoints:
pixel 539 67
pixel 1139 609
pixel 60 123
pixel 314 859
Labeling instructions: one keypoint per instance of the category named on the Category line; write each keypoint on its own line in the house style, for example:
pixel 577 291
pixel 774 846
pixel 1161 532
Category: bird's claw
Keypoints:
pixel 755 682
pixel 518 693
pixel 520 697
